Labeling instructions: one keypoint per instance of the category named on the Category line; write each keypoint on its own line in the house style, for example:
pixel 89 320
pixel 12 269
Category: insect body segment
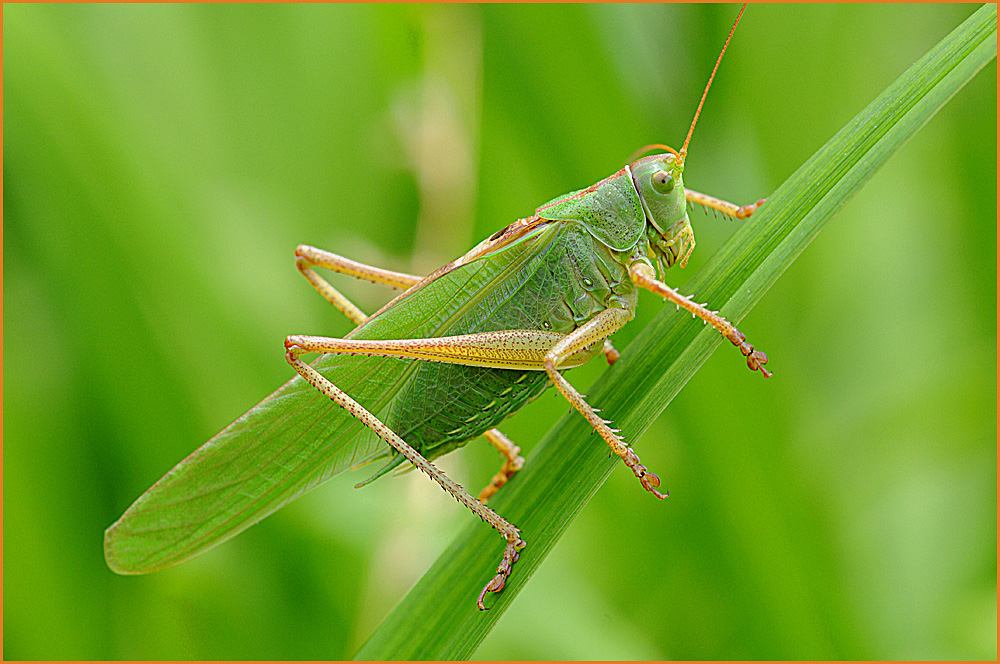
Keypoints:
pixel 659 181
pixel 610 211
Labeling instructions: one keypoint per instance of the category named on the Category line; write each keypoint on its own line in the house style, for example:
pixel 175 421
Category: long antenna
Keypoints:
pixel 684 150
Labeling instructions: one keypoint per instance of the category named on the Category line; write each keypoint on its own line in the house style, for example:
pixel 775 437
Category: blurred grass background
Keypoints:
pixel 162 162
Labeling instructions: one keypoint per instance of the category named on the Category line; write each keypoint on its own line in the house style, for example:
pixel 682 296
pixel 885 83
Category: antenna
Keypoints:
pixel 649 148
pixel 684 150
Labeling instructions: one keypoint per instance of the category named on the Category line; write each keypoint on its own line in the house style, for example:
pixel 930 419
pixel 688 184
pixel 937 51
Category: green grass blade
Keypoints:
pixel 438 619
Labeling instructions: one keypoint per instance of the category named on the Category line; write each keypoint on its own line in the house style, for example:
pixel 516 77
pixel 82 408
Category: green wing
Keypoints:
pixel 296 438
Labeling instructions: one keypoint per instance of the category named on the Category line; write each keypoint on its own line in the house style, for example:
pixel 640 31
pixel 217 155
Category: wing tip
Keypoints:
pixel 119 553
pixel 113 555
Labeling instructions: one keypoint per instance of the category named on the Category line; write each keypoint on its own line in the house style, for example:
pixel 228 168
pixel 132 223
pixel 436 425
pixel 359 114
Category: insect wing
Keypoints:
pixel 287 444
pixel 296 438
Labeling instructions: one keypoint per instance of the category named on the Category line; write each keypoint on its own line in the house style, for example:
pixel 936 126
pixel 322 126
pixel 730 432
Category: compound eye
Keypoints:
pixel 663 182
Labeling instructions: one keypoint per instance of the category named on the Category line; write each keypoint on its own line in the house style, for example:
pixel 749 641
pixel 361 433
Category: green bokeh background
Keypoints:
pixel 162 162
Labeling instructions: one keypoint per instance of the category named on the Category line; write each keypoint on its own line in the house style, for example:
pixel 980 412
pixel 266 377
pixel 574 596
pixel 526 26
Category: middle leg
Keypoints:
pixel 610 354
pixel 513 462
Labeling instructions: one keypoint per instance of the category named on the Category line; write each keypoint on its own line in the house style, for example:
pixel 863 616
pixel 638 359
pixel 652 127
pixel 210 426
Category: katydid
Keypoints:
pixel 444 362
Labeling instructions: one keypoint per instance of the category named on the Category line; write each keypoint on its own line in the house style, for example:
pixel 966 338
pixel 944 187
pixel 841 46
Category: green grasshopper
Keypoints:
pixel 444 362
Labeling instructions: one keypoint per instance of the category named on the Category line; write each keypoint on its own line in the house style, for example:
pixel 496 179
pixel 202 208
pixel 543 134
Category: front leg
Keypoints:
pixel 643 275
pixel 725 207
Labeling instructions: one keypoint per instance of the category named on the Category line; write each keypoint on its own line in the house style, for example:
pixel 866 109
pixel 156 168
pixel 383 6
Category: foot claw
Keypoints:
pixel 756 360
pixel 650 482
pixel 496 584
pixel 747 210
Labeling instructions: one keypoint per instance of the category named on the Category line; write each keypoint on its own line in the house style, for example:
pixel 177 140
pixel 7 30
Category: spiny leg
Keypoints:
pixel 512 462
pixel 330 261
pixel 503 349
pixel 512 349
pixel 506 529
pixel 643 275
pixel 725 207
pixel 306 258
pixel 596 329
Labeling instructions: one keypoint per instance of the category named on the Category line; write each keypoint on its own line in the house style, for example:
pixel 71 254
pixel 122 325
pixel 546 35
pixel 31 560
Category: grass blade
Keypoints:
pixel 438 619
